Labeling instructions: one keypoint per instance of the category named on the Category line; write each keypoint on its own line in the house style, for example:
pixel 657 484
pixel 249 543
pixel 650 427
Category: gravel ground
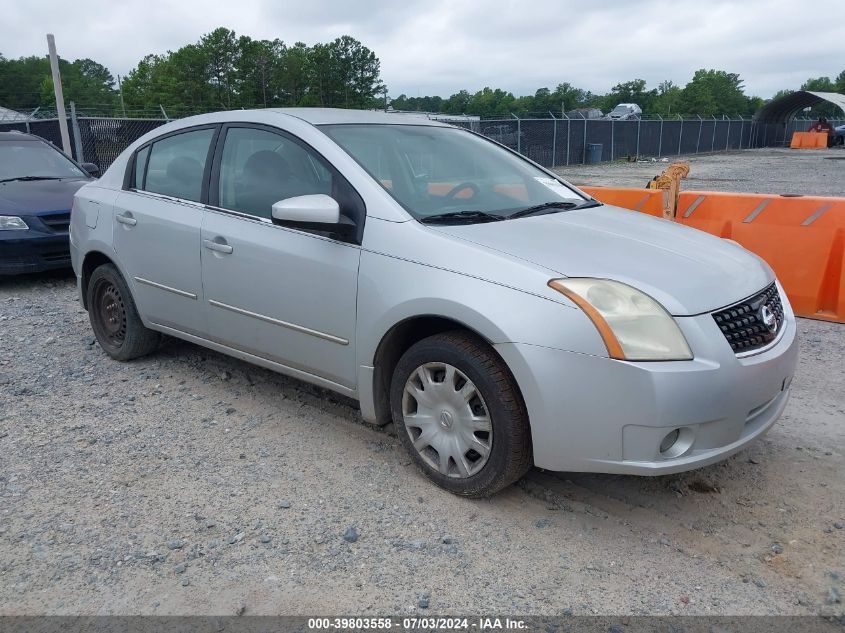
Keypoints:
pixel 808 172
pixel 192 483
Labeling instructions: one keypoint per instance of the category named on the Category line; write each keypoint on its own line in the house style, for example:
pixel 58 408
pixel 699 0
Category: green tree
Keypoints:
pixel 26 83
pixel 291 79
pixel 667 99
pixel 713 92
pixel 457 103
pixel 819 84
pixel 631 92
pixel 224 70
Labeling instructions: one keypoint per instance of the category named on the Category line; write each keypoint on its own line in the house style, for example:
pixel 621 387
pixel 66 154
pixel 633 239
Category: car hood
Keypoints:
pixel 687 270
pixel 29 197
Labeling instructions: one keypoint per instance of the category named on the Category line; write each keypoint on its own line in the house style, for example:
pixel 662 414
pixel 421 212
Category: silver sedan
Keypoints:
pixel 497 315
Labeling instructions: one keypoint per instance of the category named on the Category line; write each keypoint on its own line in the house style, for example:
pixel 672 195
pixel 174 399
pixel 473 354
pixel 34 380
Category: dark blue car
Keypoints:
pixel 37 183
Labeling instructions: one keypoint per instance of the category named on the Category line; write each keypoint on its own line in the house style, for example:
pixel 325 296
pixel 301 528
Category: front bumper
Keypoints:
pixel 32 251
pixel 595 414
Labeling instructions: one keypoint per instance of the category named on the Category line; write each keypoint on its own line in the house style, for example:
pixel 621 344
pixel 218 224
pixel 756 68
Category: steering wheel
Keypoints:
pixel 460 187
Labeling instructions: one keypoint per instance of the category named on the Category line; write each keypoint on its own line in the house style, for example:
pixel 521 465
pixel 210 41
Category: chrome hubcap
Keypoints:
pixel 447 420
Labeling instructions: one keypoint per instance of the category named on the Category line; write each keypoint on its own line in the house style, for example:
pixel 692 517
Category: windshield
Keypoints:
pixel 432 171
pixel 35 159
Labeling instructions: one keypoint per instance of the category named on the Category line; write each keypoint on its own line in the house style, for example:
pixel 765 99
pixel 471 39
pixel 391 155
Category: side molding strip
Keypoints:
pixel 284 324
pixel 176 291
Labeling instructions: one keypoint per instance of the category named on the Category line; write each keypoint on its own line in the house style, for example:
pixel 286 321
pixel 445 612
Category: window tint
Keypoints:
pixel 140 163
pixel 177 164
pixel 258 168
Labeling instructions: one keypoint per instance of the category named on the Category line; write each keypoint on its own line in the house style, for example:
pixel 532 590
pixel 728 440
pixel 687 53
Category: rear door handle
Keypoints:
pixel 219 247
pixel 126 219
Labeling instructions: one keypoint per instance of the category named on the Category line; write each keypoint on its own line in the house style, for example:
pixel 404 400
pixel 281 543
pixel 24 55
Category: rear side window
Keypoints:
pixel 176 165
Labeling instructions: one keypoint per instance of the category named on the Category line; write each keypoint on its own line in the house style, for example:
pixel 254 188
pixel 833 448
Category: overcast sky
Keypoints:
pixel 441 46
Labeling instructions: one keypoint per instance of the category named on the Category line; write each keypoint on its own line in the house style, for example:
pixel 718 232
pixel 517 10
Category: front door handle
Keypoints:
pixel 126 219
pixel 218 247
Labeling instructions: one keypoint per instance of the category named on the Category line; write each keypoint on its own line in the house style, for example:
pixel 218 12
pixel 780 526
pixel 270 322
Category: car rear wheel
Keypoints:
pixel 114 318
pixel 460 415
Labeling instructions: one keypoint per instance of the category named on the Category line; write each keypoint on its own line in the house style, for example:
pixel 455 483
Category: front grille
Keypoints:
pixel 57 222
pixel 753 323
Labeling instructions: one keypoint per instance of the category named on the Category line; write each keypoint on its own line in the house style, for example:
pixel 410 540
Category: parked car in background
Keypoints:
pixel 37 183
pixel 504 134
pixel 624 112
pixel 497 315
pixel 585 113
pixel 839 135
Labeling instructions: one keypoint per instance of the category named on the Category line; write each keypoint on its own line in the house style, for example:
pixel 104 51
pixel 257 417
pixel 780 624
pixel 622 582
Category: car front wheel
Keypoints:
pixel 458 411
pixel 114 317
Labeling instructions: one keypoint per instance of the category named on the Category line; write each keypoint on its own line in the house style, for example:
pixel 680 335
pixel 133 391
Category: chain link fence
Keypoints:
pixel 556 142
pixel 550 142
pixel 97 140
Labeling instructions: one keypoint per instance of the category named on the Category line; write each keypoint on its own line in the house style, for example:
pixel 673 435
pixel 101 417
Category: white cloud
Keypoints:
pixel 441 46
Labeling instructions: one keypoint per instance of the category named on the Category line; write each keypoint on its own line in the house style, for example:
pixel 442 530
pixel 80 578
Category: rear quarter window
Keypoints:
pixel 140 165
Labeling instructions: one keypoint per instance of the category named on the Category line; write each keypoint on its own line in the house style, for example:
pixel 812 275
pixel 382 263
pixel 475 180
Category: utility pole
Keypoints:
pixel 262 64
pixel 60 99
pixel 120 92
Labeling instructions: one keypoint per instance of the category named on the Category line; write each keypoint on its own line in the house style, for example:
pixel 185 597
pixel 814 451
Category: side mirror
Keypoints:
pixel 91 168
pixel 313 209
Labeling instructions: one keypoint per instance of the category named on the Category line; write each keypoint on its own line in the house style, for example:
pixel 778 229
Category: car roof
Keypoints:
pixel 19 137
pixel 328 116
pixel 313 116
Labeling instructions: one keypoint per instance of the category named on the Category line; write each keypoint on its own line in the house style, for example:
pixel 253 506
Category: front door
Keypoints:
pixel 276 292
pixel 156 230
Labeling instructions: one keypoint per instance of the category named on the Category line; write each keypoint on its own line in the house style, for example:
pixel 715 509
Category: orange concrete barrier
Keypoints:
pixel 801 237
pixel 808 140
pixel 650 201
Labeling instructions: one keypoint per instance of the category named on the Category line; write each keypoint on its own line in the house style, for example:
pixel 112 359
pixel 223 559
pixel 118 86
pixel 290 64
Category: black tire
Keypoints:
pixel 510 454
pixel 114 317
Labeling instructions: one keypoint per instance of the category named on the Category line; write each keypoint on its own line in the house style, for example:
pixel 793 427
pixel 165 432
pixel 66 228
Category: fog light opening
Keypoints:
pixel 669 441
pixel 677 442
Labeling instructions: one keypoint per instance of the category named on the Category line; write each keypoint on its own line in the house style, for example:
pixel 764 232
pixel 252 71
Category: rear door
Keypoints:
pixel 157 222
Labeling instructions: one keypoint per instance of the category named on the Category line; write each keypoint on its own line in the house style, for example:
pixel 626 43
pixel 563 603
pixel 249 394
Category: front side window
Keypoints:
pixel 436 171
pixel 176 165
pixel 259 168
pixel 34 159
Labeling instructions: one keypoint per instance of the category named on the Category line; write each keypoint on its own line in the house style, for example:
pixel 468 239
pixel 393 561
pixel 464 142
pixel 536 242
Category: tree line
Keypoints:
pixel 219 72
pixel 223 70
pixel 708 93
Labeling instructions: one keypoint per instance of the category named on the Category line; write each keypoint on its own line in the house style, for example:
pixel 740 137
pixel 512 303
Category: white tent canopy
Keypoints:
pixel 785 108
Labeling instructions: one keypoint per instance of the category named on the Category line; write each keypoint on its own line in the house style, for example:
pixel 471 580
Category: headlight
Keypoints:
pixel 12 223
pixel 632 324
